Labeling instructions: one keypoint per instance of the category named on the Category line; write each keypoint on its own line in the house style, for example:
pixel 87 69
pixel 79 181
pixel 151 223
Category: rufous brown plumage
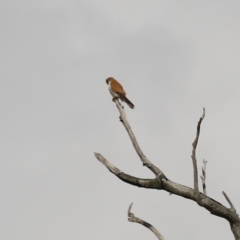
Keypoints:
pixel 117 91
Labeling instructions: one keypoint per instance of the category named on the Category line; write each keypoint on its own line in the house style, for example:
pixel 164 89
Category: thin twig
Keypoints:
pixel 229 201
pixel 194 159
pixel 204 176
pixel 158 173
pixel 132 218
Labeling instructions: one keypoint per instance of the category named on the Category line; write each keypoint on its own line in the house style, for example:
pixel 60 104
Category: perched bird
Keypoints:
pixel 117 91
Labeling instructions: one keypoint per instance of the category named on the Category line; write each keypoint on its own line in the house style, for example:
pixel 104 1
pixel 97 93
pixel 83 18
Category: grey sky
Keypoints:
pixel 173 58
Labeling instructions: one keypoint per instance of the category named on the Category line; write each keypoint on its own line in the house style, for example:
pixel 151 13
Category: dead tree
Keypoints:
pixel 161 182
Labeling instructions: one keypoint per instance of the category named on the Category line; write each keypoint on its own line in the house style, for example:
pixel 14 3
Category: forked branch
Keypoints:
pixel 139 182
pixel 158 173
pixel 229 201
pixel 160 182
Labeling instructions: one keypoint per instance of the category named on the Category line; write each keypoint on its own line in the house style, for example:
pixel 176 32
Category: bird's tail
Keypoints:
pixel 129 103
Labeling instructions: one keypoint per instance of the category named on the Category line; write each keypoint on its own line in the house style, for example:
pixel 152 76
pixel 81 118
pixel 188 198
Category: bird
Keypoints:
pixel 117 91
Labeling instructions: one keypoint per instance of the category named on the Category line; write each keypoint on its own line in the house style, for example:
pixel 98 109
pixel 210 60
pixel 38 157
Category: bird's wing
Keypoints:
pixel 117 87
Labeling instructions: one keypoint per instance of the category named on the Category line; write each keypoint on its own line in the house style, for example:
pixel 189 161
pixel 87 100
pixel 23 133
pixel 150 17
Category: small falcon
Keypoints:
pixel 117 91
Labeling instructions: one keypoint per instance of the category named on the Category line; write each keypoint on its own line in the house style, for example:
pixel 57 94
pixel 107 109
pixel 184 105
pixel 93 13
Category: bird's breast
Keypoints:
pixel 111 91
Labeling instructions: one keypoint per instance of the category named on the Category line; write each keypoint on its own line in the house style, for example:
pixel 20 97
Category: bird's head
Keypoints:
pixel 108 80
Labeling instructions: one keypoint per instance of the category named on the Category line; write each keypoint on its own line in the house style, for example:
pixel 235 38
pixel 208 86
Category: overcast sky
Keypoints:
pixel 173 58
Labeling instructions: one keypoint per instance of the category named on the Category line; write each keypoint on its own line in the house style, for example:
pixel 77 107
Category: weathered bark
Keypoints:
pixel 161 182
pixel 203 177
pixel 132 218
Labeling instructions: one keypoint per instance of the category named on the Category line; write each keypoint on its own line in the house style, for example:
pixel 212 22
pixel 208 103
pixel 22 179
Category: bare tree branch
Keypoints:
pixel 229 201
pixel 194 159
pixel 163 183
pixel 204 176
pixel 206 202
pixel 132 218
pixel 158 173
pixel 139 182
